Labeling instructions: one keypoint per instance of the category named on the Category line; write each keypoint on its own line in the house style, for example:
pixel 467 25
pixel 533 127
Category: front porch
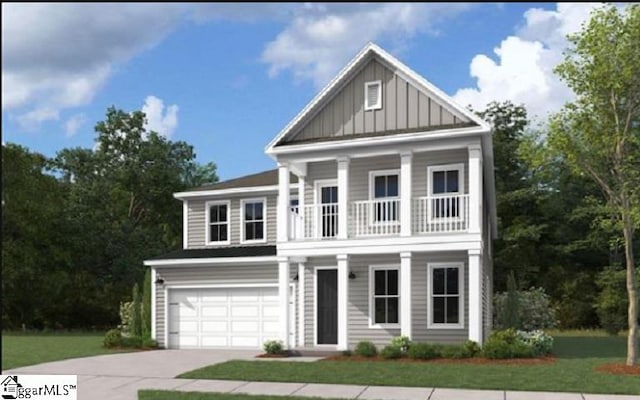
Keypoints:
pixel 341 300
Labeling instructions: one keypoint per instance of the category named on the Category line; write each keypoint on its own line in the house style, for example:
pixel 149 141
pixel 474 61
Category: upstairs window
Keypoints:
pixel 446 182
pixel 385 188
pixel 373 95
pixel 253 220
pixel 218 222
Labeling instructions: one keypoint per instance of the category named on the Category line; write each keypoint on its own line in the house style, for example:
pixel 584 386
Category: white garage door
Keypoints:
pixel 223 317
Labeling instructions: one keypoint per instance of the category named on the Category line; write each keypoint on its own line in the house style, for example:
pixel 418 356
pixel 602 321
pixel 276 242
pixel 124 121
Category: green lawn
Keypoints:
pixel 20 349
pixel 169 395
pixel 573 371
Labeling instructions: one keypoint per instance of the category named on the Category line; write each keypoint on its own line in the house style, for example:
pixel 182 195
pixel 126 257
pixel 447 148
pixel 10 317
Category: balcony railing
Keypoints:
pixel 373 218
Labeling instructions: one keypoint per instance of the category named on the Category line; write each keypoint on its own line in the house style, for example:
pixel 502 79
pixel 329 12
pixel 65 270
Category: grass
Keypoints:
pixel 572 372
pixel 170 395
pixel 21 349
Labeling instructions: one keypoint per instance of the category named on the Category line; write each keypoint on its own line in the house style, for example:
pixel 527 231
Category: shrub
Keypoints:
pixel 126 310
pixel 273 347
pixel 540 342
pixel 149 343
pixel 346 353
pixel 401 342
pixel 507 344
pixel 452 351
pixel 391 352
pixel 132 341
pixel 366 349
pixel 534 310
pixel 423 351
pixel 112 338
pixel 470 349
pixel 135 322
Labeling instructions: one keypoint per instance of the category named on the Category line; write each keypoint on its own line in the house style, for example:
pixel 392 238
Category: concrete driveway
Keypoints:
pixel 119 376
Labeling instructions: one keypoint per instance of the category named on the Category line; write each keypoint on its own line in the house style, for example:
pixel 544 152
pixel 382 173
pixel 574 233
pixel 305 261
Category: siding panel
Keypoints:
pixel 401 101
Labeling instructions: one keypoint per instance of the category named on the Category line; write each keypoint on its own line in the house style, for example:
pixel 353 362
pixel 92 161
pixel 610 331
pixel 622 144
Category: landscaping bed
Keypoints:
pixel 474 360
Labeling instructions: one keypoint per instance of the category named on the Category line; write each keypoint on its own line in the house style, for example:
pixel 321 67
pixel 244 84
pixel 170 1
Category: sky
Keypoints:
pixel 226 78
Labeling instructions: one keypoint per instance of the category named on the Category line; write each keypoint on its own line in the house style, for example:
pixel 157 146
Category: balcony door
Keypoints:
pixel 327 208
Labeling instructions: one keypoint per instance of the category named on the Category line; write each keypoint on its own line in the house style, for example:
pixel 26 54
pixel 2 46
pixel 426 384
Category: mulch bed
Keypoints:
pixel 272 356
pixel 619 369
pixel 477 360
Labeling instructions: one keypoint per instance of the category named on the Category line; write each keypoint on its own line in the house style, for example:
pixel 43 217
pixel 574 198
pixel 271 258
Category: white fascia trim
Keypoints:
pixel 461 288
pixel 372 269
pixel 262 200
pixel 185 224
pixel 205 262
pixel 232 191
pixel 207 227
pixel 381 140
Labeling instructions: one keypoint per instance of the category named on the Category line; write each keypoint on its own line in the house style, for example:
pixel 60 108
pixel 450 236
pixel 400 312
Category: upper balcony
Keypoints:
pixel 437 214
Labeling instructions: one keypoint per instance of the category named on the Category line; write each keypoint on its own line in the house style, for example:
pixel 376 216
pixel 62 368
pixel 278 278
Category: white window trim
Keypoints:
pixel 461 185
pixel 378 105
pixel 207 213
pixel 372 269
pixel 262 200
pixel 461 289
pixel 372 188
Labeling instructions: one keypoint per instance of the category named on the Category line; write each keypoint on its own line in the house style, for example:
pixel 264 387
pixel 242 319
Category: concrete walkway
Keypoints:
pixel 120 376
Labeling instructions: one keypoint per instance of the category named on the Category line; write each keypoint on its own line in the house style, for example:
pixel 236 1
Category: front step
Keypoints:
pixel 313 352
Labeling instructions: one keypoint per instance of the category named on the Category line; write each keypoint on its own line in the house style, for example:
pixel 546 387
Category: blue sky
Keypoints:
pixel 226 78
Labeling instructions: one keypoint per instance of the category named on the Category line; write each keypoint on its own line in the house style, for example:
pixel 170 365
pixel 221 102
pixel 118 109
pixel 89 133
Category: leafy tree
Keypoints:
pixel 599 133
pixel 146 305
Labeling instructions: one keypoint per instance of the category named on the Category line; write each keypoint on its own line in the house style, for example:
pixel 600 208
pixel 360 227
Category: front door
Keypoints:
pixel 329 211
pixel 327 306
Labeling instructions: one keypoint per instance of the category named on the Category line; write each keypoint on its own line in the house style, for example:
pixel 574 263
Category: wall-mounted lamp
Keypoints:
pixel 352 275
pixel 159 281
pixel 296 278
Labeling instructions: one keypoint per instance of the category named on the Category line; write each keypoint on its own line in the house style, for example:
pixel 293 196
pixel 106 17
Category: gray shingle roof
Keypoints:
pixel 265 178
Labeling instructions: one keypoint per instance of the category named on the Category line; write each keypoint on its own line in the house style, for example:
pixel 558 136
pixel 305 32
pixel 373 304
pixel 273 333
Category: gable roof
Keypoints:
pixel 369 52
pixel 264 178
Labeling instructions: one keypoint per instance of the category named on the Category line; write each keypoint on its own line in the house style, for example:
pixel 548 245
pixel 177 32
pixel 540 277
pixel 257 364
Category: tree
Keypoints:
pixel 599 132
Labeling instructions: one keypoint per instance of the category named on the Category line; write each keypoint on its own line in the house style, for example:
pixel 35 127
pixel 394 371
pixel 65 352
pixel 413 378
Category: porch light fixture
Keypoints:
pixel 352 275
pixel 296 278
pixel 159 281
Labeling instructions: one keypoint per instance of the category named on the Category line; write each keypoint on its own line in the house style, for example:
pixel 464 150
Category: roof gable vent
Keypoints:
pixel 373 95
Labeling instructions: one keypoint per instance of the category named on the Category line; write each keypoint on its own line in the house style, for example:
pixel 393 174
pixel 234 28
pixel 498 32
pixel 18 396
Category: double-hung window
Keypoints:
pixel 445 187
pixel 385 295
pixel 384 194
pixel 217 222
pixel 253 220
pixel 445 295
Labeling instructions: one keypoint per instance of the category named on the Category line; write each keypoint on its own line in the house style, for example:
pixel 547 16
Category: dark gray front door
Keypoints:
pixel 327 299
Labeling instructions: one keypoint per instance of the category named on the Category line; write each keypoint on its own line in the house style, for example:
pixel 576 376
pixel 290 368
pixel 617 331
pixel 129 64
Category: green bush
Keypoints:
pixel 452 351
pixel 507 344
pixel 112 338
pixel 135 324
pixel 402 342
pixel 149 343
pixel 347 353
pixel 132 341
pixel 540 342
pixel 533 308
pixel 470 349
pixel 273 347
pixel 366 349
pixel 613 300
pixel 391 352
pixel 423 351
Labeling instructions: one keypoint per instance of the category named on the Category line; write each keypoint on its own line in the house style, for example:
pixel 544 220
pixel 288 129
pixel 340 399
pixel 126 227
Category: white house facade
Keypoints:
pixel 377 222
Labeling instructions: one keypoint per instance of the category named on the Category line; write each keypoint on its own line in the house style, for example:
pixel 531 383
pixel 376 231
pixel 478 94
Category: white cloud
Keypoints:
pixel 161 120
pixel 31 120
pixel 322 37
pixel 73 124
pixel 57 56
pixel 523 68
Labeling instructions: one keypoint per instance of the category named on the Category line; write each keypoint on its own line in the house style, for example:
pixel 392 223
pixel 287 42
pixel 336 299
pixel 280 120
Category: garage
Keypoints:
pixel 223 317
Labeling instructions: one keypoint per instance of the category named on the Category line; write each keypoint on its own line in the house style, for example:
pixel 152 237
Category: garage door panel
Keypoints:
pixel 223 317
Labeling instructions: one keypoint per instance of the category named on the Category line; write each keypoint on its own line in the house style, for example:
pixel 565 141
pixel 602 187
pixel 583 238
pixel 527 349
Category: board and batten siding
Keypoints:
pixel 359 312
pixel 403 107
pixel 197 220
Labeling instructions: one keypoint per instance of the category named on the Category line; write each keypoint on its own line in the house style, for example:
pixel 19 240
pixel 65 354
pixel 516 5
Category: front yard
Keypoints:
pixel 22 349
pixel 573 371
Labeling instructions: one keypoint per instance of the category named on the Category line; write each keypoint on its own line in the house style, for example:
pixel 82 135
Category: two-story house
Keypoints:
pixel 377 222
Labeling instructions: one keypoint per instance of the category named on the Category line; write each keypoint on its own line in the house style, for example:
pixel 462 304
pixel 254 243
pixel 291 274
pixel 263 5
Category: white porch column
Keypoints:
pixel 153 304
pixel 343 197
pixel 301 300
pixel 475 189
pixel 283 296
pixel 185 223
pixel 405 294
pixel 283 202
pixel 343 301
pixel 475 296
pixel 405 193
